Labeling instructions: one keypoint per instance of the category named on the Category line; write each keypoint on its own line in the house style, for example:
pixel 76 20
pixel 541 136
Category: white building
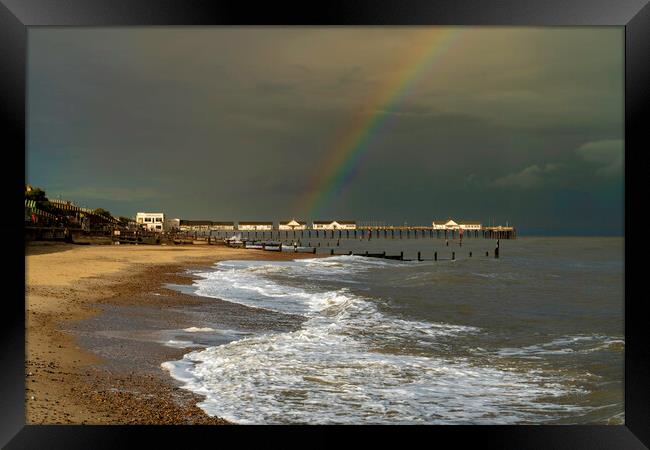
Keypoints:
pixel 334 225
pixel 151 221
pixel 470 225
pixel 450 224
pixel 292 225
pixel 447 224
pixel 195 225
pixel 222 226
pixel 255 226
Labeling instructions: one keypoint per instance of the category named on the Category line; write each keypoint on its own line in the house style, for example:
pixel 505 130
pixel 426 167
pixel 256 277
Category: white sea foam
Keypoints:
pixel 331 370
pixel 566 345
pixel 178 343
pixel 198 329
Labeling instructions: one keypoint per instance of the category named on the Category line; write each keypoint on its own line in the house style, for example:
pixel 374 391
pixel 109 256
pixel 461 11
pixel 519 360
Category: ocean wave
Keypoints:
pixel 566 345
pixel 179 343
pixel 331 370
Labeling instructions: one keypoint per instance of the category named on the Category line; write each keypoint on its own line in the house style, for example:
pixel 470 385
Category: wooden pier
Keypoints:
pixel 369 233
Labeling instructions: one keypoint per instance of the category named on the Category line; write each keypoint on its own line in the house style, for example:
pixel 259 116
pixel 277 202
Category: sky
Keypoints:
pixel 386 124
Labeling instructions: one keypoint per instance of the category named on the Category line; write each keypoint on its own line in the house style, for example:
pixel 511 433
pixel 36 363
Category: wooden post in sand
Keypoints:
pixel 332 252
pixel 419 257
pixel 453 256
pixel 435 256
pixel 401 256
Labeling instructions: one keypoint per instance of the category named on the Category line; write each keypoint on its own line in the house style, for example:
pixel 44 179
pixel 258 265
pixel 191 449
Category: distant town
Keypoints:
pixel 43 213
pixel 156 221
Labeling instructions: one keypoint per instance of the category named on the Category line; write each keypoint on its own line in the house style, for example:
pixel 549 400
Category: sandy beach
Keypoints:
pixel 68 286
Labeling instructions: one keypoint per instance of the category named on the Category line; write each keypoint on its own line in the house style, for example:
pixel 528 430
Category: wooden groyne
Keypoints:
pixel 296 248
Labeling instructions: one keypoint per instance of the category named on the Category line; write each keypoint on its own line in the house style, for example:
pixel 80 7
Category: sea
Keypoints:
pixel 532 337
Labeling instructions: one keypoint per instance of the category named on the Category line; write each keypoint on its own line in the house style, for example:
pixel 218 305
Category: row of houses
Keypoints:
pixel 158 222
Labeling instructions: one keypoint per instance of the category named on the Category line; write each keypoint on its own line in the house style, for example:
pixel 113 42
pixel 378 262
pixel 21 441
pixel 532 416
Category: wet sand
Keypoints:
pixel 95 316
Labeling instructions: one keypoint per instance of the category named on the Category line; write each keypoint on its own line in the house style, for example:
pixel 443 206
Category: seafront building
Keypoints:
pixel 205 225
pixel 447 224
pixel 450 224
pixel 172 224
pixel 255 226
pixel 292 224
pixel 470 225
pixel 195 225
pixel 222 226
pixel 151 221
pixel 334 225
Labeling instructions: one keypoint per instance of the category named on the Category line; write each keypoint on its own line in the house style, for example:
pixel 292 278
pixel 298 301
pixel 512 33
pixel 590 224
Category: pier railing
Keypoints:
pixel 368 233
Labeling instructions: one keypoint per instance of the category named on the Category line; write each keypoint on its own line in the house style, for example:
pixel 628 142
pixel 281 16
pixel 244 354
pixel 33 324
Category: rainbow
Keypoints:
pixel 345 156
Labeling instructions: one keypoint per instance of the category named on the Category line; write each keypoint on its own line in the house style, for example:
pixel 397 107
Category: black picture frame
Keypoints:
pixel 17 15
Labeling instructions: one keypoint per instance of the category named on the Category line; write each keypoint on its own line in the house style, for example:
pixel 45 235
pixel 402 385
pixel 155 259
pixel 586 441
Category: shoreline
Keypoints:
pixel 106 380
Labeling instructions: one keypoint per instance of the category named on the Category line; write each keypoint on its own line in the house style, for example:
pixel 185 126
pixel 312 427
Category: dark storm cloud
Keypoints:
pixel 518 124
